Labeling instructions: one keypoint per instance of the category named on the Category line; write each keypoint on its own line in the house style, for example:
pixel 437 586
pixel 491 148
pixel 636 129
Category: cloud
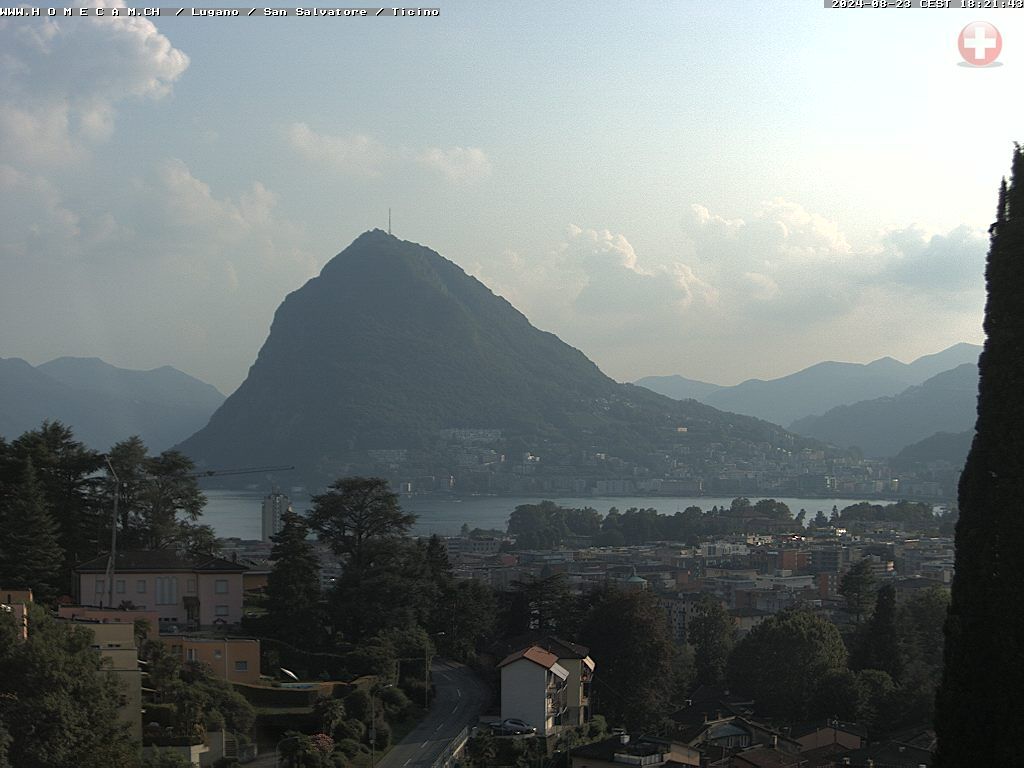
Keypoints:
pixel 166 272
pixel 762 294
pixel 460 165
pixel 355 154
pixel 362 155
pixel 62 80
pixel 597 292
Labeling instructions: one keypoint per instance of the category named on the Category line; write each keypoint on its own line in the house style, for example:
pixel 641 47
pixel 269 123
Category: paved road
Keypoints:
pixel 460 697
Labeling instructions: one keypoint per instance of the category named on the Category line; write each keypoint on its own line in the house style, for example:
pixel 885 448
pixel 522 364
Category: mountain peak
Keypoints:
pixel 391 347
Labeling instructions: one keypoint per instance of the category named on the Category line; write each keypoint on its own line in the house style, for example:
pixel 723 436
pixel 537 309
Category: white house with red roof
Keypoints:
pixel 533 689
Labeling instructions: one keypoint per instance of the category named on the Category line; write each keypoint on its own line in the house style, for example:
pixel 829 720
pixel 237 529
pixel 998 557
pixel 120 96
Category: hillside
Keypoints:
pixel 883 426
pixel 816 389
pixel 678 387
pixel 392 343
pixel 103 404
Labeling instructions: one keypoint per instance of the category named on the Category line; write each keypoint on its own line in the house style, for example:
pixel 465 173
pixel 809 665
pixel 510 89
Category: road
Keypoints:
pixel 459 699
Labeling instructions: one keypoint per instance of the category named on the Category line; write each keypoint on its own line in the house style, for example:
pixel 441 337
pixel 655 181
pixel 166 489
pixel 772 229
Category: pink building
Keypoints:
pixel 187 592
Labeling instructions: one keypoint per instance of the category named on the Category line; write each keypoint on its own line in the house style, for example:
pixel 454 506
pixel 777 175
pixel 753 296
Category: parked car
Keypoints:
pixel 510 726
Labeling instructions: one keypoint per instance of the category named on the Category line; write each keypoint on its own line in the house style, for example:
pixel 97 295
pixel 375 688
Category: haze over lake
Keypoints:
pixel 237 513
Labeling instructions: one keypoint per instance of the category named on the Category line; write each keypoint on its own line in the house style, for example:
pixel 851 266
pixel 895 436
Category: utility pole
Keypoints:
pixel 113 536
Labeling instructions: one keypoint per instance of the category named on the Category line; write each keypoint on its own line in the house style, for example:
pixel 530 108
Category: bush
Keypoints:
pixel 349 747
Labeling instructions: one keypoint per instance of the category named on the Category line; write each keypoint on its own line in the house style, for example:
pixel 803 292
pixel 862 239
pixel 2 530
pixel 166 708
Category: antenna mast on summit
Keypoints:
pixel 389 221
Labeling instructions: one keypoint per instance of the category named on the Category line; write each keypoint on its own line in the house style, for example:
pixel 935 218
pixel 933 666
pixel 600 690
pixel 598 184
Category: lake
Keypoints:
pixel 237 513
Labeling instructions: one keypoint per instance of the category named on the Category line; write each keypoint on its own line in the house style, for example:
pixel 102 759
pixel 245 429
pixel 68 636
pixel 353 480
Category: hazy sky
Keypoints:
pixel 720 190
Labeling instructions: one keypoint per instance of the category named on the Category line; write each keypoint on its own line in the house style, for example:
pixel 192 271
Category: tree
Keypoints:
pixel 880 646
pixel 30 554
pixel 858 586
pixel 543 599
pixel 711 634
pixel 979 705
pixel 362 522
pixel 164 758
pixel 56 702
pixel 780 662
pixel 160 501
pixel 773 509
pixel 627 634
pixel 293 586
pixel 467 616
pixel 66 471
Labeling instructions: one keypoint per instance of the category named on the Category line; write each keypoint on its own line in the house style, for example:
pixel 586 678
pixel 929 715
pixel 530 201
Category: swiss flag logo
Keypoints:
pixel 980 43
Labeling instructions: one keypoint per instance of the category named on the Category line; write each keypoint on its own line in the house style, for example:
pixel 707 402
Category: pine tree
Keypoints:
pixel 66 471
pixel 979 706
pixel 711 634
pixel 293 587
pixel 880 646
pixel 30 552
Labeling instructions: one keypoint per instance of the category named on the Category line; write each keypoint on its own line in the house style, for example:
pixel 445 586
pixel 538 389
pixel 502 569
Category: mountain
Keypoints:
pixel 370 362
pixel 103 404
pixel 678 387
pixel 882 426
pixel 950 447
pixel 820 387
pixel 165 385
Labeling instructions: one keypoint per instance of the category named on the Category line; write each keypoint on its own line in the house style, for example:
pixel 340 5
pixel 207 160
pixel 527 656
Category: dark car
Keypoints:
pixel 512 727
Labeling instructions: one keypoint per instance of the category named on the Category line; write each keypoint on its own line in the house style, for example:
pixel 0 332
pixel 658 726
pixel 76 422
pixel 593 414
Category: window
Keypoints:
pixel 119 586
pixel 241 666
pixel 221 610
pixel 221 586
pixel 101 586
pixel 166 590
pixel 218 654
pixel 190 654
pixel 190 586
pixel 140 586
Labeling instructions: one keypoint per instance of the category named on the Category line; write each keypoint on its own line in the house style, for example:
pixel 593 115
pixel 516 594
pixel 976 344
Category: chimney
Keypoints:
pixel 623 738
pixel 775 741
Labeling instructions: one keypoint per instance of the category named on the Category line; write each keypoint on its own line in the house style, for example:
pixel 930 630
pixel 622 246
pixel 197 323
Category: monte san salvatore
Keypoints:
pixel 394 361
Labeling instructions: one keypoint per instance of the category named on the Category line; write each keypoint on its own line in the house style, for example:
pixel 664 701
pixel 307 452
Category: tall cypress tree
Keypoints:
pixel 293 587
pixel 30 552
pixel 979 707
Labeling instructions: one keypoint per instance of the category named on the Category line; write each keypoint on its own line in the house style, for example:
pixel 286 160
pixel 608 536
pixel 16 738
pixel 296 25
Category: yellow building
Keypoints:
pixel 234 659
pixel 15 602
pixel 115 642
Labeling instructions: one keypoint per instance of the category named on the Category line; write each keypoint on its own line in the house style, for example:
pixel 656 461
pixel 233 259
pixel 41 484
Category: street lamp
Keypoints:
pixel 373 723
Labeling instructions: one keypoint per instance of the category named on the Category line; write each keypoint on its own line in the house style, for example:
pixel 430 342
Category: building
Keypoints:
pixel 275 504
pixel 235 659
pixel 115 643
pixel 533 689
pixel 145 621
pixel 187 592
pixel 621 750
pixel 15 602
pixel 575 659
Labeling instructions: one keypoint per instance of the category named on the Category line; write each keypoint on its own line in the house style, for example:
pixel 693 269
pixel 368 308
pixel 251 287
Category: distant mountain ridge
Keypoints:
pixel 104 404
pixel 392 343
pixel 819 388
pixel 884 426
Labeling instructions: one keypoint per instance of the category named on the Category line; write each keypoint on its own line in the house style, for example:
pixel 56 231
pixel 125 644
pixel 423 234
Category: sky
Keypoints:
pixel 717 190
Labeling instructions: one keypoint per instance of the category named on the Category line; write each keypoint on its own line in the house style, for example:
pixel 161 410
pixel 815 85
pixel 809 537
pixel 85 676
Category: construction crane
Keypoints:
pixel 246 471
pixel 117 493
